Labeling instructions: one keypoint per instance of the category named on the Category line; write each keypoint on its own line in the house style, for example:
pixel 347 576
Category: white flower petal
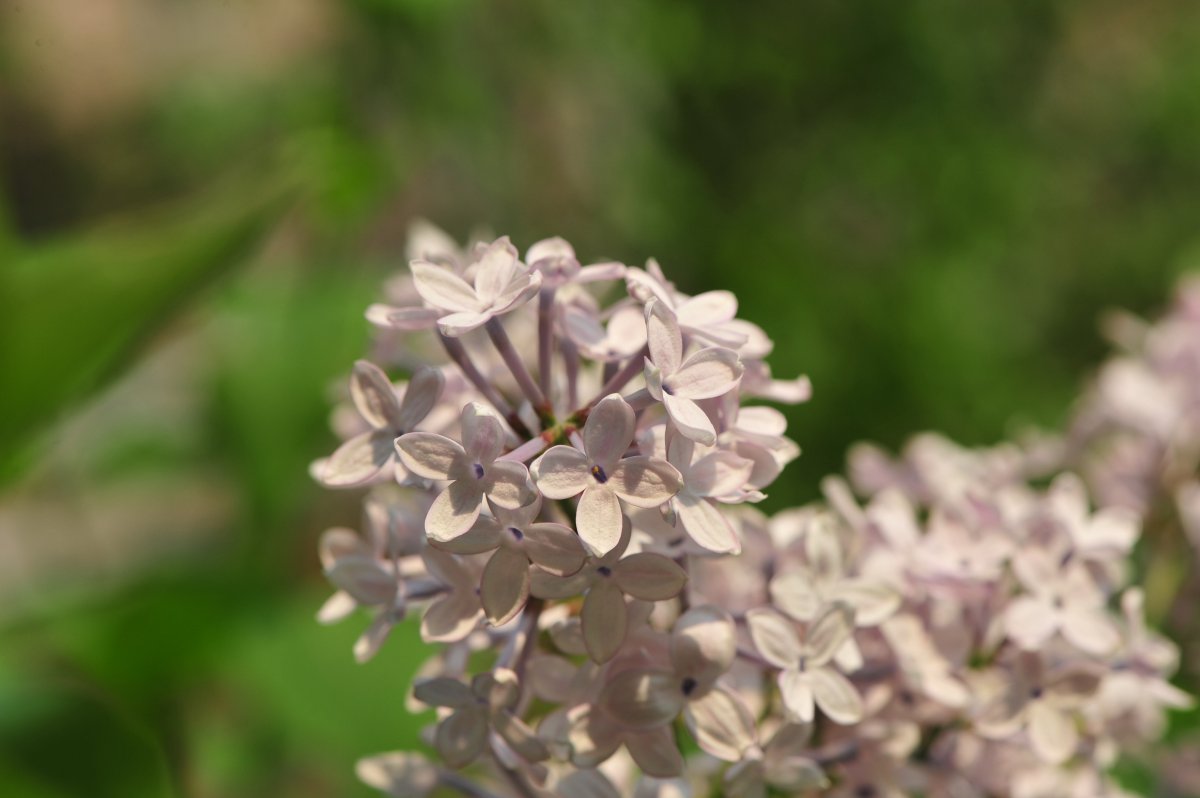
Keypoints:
pixel 689 419
pixel 337 607
pixel 518 735
pixel 720 473
pixel 642 699
pixel 482 434
pixel 873 602
pixel 443 692
pixel 649 577
pixel 374 396
pixel 836 697
pixel 483 536
pixel 796 594
pixel 828 633
pixel 364 579
pixel 357 461
pixel 1030 622
pixel 560 473
pixel 429 455
pixel 609 430
pixel 598 520
pixel 644 481
pixel 604 619
pixel 450 618
pixel 655 752
pixel 461 736
pixel 795 688
pixel 721 724
pixel 663 337
pixel 774 637
pixel 496 268
pixel 398 773
pixel 705 374
pixel 1052 733
pixel 555 548
pixel 706 525
pixel 1091 630
pixel 373 637
pixel 455 325
pixel 504 588
pixel 420 396
pixel 508 485
pixel 454 510
pixel 703 644
pixel 443 288
pixel 405 319
pixel 709 308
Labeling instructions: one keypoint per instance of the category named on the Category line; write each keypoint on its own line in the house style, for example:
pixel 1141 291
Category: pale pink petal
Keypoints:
pixel 454 510
pixel 604 619
pixel 721 724
pixel 554 547
pixel 706 525
pixel 461 736
pixel 374 396
pixel 497 267
pixel 560 473
pixel 719 474
pixel 774 637
pixel 586 784
pixel 582 327
pixel 663 337
pixel 518 735
pixel 1076 683
pixel 1030 622
pixel 337 607
pixel 598 520
pixel 406 319
pixel 508 485
pixel 836 697
pixel 705 374
pixel 340 542
pixel 711 307
pixel 655 752
pixel 609 430
pixel 364 579
pixel 455 325
pixel 873 602
pixel 373 637
pixel 649 577
pixel 598 272
pixel 484 535
pixel 626 333
pixel 592 736
pixel 689 419
pixel 796 594
pixel 795 688
pixel 703 645
pixel 644 481
pixel 1115 529
pixel 429 455
pixel 828 633
pixel 517 293
pixel 398 773
pixel 762 420
pixel 450 618
pixel 357 461
pixel 482 433
pixel 443 692
pixel 642 699
pixel 822 546
pixel 447 568
pixel 1052 733
pixel 745 779
pixel 1091 630
pixel 551 678
pixel 504 588
pixel 422 393
pixel 443 289
pixel 546 585
pixel 795 774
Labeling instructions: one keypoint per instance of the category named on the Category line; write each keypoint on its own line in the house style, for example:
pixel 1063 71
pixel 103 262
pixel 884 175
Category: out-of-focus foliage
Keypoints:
pixel 926 204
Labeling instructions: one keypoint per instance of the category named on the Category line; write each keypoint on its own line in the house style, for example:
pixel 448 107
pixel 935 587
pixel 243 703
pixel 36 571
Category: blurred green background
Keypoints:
pixel 927 205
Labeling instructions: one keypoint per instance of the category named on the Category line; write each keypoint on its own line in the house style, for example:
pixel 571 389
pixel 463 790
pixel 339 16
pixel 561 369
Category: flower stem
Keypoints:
pixel 458 353
pixel 545 337
pixel 619 380
pixel 512 359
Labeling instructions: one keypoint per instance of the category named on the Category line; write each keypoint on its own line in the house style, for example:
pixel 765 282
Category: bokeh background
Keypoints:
pixel 927 204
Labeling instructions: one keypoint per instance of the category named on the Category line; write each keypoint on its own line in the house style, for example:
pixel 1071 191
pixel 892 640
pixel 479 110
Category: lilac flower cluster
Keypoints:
pixel 568 500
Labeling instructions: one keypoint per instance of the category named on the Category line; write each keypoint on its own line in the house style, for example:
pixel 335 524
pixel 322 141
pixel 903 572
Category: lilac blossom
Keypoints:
pixel 575 526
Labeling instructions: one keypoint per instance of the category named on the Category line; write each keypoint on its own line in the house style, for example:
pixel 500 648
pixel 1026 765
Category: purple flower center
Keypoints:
pixel 604 570
pixel 599 474
pixel 688 685
pixel 667 389
pixel 478 471
pixel 516 533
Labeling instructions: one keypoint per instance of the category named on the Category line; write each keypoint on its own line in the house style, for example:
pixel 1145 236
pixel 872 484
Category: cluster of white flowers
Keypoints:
pixel 569 502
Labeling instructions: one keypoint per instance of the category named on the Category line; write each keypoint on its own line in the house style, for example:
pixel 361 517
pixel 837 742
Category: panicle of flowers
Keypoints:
pixel 567 500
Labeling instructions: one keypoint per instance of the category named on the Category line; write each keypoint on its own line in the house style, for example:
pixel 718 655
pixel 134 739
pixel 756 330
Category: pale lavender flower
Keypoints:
pixel 470 467
pixel 502 283
pixel 359 460
pixel 603 476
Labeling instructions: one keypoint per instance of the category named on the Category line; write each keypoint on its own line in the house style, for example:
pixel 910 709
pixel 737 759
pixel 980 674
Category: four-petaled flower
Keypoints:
pixel 502 283
pixel 471 467
pixel 678 382
pixel 603 477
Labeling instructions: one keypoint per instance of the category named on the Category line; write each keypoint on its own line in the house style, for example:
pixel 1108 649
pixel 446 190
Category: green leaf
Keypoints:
pixel 75 311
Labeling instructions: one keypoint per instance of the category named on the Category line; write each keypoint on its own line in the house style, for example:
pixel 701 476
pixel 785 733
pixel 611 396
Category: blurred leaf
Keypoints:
pixel 74 311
